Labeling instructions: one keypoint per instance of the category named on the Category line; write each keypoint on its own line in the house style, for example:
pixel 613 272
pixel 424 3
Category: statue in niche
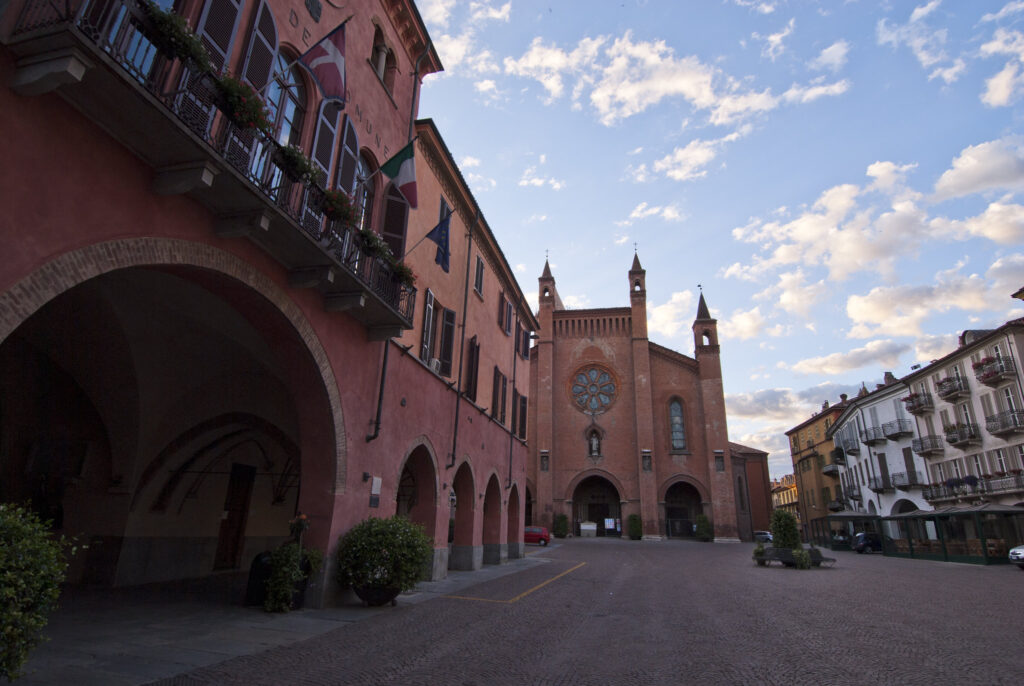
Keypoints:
pixel 595 444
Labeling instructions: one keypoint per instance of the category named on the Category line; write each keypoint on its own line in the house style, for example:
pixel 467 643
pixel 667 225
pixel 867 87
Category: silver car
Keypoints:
pixel 1017 556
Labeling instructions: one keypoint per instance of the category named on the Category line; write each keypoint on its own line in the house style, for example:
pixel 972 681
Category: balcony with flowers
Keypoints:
pixel 928 446
pixel 142 75
pixel 919 403
pixel 952 388
pixel 993 371
pixel 962 435
pixel 971 486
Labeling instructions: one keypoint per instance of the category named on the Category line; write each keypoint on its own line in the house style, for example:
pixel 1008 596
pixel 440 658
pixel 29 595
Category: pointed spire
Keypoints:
pixel 636 263
pixel 546 274
pixel 702 308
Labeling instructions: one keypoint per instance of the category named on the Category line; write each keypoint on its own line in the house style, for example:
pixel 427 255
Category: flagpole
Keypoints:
pixel 417 243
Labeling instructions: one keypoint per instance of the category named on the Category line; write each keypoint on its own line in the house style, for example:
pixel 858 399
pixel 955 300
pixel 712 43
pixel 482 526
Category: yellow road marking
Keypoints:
pixel 521 595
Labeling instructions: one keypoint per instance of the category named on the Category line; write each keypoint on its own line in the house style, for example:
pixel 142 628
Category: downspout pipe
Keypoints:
pixel 515 410
pixel 462 343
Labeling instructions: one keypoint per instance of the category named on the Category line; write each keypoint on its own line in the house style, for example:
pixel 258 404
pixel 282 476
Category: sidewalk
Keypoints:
pixel 122 637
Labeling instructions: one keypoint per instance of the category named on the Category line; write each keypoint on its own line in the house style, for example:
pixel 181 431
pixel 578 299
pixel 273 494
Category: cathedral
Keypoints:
pixel 624 426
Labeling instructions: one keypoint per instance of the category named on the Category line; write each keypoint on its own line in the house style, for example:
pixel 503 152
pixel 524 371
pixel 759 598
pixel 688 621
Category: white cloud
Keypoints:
pixel 521 268
pixel 832 58
pixel 1000 223
pixel 621 240
pixel 888 176
pixel 1002 88
pixel 1007 10
pixel 545 64
pixel 690 161
pixel 436 12
pixel 760 6
pixel 469 161
pixel 531 178
pixel 931 347
pixel 645 211
pixel 669 318
pixel 951 73
pixel 881 353
pixel 576 302
pixel 481 11
pixel 926 43
pixel 774 42
pixel 536 218
pixel 806 94
pixel 638 174
pixel 795 295
pixel 993 165
pixel 746 324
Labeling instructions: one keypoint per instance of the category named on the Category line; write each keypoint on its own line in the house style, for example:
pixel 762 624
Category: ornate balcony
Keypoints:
pixel 928 445
pixel 95 55
pixel 830 470
pixel 850 445
pixel 838 456
pixel 995 371
pixel 952 388
pixel 906 480
pixel 872 435
pixel 879 484
pixel 853 492
pixel 919 403
pixel 971 486
pixel 1004 423
pixel 835 505
pixel 898 428
pixel 962 435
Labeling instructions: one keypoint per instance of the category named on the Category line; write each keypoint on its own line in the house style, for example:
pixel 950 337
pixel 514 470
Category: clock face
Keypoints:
pixel 593 389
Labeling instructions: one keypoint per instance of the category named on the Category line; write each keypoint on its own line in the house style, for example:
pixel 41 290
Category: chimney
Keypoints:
pixel 842 397
pixel 824 406
pixel 889 378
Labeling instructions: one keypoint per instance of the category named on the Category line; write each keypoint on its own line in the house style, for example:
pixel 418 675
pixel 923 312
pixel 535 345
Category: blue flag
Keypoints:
pixel 439 234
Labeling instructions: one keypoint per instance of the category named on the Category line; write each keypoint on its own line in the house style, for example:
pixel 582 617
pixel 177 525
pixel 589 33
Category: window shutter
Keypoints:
pixel 496 393
pixel 472 367
pixel 504 396
pixel 349 157
pixel 522 417
pixel 217 29
pixel 428 326
pixel 396 212
pixel 326 133
pixel 447 341
pixel 262 48
pixel 526 344
pixel 501 309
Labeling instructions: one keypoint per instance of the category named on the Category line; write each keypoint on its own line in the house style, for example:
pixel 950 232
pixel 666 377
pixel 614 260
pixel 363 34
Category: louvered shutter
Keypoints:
pixel 447 341
pixel 349 157
pixel 259 61
pixel 426 342
pixel 217 28
pixel 326 133
pixel 396 212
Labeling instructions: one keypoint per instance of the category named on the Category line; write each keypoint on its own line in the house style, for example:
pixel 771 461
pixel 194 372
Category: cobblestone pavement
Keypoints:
pixel 674 612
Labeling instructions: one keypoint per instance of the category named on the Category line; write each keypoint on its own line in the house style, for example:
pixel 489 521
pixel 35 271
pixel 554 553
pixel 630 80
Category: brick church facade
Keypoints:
pixel 624 426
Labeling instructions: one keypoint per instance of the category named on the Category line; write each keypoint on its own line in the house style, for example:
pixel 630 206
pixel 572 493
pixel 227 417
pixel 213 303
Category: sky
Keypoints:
pixel 845 180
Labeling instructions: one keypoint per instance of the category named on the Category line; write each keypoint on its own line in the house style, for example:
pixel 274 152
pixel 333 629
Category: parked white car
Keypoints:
pixel 1017 556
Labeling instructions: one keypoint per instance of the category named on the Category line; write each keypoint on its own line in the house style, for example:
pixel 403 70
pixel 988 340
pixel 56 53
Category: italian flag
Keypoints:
pixel 401 169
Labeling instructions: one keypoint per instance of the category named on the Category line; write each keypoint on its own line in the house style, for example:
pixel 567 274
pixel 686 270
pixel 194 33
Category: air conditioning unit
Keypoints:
pixel 435 365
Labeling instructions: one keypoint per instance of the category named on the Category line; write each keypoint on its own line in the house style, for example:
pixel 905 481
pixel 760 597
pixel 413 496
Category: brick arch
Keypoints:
pixel 26 297
pixel 668 483
pixel 607 476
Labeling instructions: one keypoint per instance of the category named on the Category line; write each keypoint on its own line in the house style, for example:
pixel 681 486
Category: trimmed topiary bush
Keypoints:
pixel 383 553
pixel 704 531
pixel 635 526
pixel 802 558
pixel 32 567
pixel 784 530
pixel 560 529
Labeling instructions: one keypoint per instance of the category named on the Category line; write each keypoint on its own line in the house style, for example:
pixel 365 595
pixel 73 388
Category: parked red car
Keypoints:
pixel 536 534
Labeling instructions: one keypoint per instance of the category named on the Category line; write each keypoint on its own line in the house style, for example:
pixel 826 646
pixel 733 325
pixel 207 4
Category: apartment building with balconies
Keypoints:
pixel 880 473
pixel 969 418
pixel 816 466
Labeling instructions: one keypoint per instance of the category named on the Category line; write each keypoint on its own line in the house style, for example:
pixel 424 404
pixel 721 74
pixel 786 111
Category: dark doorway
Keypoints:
pixel 236 513
pixel 682 505
pixel 596 501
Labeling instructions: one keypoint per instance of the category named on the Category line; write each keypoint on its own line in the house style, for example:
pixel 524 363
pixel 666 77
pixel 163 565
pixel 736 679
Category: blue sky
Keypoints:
pixel 844 180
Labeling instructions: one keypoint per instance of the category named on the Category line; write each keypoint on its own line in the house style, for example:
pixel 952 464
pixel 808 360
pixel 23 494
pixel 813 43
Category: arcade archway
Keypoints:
pixel 682 505
pixel 494 551
pixel 596 501
pixel 170 407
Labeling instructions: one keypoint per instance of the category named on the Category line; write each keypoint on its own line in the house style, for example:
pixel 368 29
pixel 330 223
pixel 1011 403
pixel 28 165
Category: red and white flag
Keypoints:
pixel 326 63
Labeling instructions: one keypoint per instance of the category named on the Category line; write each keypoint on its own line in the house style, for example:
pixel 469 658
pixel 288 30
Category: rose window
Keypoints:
pixel 593 389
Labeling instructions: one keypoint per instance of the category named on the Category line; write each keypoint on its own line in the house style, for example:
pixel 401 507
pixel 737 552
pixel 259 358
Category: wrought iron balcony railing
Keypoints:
pixel 171 116
pixel 879 484
pixel 852 492
pixel 838 456
pixel 906 480
pixel 830 470
pixel 962 435
pixel 952 387
pixel 850 445
pixel 898 428
pixel 873 435
pixel 919 403
pixel 928 445
pixel 972 486
pixel 995 371
pixel 1004 423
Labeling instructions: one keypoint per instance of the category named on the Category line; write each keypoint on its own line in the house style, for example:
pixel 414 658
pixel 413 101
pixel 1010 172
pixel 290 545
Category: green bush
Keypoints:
pixel 784 530
pixel 32 567
pixel 383 553
pixel 704 531
pixel 759 549
pixel 802 558
pixel 560 529
pixel 636 527
pixel 287 568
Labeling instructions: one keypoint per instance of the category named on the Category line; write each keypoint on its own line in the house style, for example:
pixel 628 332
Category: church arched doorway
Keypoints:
pixel 682 505
pixel 596 501
pixel 170 410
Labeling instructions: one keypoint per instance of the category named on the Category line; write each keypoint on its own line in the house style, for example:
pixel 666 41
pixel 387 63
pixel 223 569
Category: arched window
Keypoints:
pixel 286 106
pixel 364 192
pixel 676 425
pixel 383 60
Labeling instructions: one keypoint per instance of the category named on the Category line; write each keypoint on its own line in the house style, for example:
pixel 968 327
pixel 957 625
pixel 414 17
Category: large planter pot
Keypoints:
pixel 375 596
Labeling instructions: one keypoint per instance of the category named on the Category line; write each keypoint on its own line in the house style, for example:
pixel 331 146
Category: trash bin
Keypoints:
pixel 259 574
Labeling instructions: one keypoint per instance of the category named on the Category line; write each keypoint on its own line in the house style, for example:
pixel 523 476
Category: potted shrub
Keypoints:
pixel 635 527
pixel 373 245
pixel 560 528
pixel 294 164
pixel 242 105
pixel 380 558
pixel 171 36
pixel 784 530
pixel 338 207
pixel 801 558
pixel 404 274
pixel 759 554
pixel 291 565
pixel 704 530
pixel 32 567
